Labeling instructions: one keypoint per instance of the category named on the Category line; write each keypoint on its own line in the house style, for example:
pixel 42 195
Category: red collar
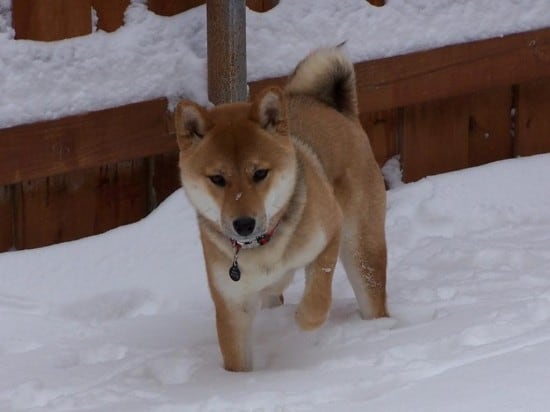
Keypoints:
pixel 258 241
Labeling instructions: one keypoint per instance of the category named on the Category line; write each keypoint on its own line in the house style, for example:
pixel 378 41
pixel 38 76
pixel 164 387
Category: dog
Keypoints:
pixel 282 182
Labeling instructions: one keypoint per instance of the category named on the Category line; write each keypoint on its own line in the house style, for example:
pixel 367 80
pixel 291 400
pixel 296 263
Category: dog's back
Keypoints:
pixel 323 113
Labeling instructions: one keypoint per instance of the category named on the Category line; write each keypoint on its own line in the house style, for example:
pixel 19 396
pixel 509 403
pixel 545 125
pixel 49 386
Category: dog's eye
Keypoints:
pixel 218 180
pixel 260 175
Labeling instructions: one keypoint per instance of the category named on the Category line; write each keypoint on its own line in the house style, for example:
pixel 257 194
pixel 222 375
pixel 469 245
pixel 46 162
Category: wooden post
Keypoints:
pixel 226 34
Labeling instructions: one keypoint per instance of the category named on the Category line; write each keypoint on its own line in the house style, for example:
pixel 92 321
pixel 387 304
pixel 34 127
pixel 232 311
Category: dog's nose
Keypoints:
pixel 244 225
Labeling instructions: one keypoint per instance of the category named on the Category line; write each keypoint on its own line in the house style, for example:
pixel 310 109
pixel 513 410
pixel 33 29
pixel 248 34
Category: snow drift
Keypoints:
pixel 123 321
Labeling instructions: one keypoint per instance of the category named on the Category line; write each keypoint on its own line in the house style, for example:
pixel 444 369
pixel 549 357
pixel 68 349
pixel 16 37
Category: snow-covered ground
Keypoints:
pixel 154 56
pixel 124 322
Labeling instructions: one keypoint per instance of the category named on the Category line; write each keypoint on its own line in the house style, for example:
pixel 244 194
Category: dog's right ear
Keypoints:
pixel 190 122
pixel 269 110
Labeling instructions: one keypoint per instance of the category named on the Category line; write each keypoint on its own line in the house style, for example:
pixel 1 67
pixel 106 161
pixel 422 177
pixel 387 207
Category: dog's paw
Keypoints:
pixel 233 366
pixel 307 320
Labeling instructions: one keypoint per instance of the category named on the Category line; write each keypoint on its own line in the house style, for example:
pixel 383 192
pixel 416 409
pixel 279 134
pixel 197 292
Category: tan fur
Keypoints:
pixel 323 192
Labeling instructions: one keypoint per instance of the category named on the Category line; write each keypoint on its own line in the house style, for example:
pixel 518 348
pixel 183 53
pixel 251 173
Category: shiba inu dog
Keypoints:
pixel 282 182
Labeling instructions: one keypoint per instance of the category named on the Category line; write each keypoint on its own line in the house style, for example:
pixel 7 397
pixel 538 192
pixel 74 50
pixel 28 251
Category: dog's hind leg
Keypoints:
pixel 363 253
pixel 315 304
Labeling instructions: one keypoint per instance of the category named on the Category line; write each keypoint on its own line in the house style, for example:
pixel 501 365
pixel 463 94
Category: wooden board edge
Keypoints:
pixel 84 141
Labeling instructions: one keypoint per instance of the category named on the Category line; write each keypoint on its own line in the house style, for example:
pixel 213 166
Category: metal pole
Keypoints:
pixel 226 36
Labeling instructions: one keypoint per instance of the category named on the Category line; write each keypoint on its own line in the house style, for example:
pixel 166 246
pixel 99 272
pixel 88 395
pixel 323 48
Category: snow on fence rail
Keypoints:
pixel 441 110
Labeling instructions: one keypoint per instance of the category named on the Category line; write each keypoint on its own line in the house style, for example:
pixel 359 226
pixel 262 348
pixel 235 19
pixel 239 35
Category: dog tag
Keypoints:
pixel 234 271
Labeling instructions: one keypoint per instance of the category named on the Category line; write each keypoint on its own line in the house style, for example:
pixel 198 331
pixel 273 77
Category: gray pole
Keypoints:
pixel 226 37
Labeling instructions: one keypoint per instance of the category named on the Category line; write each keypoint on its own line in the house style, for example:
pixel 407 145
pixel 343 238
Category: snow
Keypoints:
pixel 124 322
pixel 154 56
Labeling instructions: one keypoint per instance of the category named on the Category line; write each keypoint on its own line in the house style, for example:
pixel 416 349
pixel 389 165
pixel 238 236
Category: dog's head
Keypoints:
pixel 237 162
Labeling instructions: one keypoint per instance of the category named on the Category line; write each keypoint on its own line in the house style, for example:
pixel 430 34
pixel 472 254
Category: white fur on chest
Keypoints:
pixel 266 267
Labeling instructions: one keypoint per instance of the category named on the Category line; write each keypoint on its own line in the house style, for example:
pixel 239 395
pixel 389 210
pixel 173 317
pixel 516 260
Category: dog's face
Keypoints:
pixel 237 163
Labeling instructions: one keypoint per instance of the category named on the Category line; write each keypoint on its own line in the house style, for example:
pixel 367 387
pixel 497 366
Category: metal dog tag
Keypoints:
pixel 234 271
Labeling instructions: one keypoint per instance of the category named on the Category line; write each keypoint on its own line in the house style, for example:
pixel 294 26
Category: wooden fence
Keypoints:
pixel 441 110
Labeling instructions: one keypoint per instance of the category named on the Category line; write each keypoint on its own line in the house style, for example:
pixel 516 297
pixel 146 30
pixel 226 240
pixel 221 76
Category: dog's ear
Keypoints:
pixel 269 110
pixel 190 121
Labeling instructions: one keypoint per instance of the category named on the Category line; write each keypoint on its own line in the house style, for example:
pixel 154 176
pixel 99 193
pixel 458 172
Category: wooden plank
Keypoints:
pixel 67 207
pixel 382 128
pixel 166 179
pixel 453 70
pixel 165 171
pixel 6 218
pixel 123 196
pixel 110 13
pixel 52 19
pixel 172 7
pixel 533 118
pixel 490 126
pixel 435 138
pixel 261 6
pixel 45 211
pixel 84 141
pixel 447 71
pixel 226 35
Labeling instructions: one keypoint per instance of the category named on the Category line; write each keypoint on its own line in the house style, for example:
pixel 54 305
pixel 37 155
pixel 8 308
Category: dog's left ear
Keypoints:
pixel 270 111
pixel 191 123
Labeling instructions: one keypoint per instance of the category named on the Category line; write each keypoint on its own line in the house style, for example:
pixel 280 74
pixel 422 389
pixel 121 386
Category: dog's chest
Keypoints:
pixel 266 267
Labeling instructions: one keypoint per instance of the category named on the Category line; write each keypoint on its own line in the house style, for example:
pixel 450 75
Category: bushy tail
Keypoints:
pixel 328 76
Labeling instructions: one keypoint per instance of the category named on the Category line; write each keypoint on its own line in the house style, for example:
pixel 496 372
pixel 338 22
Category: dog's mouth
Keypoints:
pixel 243 239
pixel 258 237
pixel 250 243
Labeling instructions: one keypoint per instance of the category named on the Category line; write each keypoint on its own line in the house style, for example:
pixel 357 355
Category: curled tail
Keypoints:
pixel 326 75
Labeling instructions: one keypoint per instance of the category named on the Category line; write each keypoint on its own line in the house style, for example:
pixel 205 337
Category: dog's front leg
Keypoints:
pixel 234 324
pixel 315 304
